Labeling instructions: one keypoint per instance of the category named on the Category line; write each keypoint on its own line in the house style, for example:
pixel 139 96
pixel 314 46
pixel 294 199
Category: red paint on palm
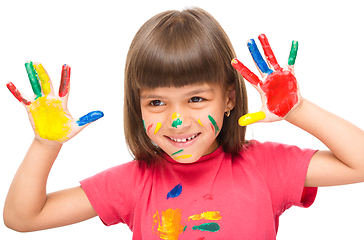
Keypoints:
pixel 17 94
pixel 268 52
pixel 281 90
pixel 65 80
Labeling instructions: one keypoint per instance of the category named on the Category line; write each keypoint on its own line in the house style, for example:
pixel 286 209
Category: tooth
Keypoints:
pixel 184 140
pixel 179 140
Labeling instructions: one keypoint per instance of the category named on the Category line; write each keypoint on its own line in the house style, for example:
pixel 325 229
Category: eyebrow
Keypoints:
pixel 194 92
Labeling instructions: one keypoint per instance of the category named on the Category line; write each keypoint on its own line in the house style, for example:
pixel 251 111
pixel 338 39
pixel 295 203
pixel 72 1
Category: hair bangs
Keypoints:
pixel 179 52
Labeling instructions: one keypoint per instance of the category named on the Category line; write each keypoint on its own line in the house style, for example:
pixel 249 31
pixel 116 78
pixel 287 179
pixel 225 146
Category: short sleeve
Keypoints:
pixel 112 193
pixel 284 168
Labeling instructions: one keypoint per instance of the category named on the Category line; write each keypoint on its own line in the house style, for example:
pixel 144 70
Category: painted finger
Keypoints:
pixel 245 72
pixel 257 57
pixel 18 95
pixel 65 81
pixel 293 53
pixel 251 118
pixel 44 78
pixel 90 117
pixel 268 52
pixel 33 78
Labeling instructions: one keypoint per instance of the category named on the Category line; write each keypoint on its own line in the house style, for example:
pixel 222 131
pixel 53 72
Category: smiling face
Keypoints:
pixel 185 121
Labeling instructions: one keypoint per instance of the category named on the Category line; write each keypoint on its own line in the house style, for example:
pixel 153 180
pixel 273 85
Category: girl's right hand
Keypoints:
pixel 48 113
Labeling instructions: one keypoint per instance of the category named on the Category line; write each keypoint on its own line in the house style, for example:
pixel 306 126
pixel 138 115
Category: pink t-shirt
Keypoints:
pixel 218 197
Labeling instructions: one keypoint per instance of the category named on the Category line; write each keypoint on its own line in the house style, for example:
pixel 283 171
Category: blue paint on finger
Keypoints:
pixel 90 117
pixel 254 51
pixel 175 192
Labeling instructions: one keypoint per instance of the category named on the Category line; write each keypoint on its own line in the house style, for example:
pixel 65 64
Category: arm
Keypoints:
pixel 281 98
pixel 27 206
pixel 344 163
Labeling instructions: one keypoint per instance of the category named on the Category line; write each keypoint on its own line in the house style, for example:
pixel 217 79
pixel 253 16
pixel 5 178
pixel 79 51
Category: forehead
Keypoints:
pixel 187 90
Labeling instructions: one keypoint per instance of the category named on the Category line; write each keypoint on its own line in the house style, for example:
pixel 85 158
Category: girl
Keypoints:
pixel 194 175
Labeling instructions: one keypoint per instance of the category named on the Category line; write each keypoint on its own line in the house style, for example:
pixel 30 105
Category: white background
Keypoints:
pixel 94 36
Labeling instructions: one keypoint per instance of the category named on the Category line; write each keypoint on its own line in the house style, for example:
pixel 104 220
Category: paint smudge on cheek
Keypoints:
pixel 214 124
pixel 209 227
pixel 208 215
pixel 199 122
pixel 168 225
pixel 149 127
pixel 50 119
pixel 159 125
pixel 175 192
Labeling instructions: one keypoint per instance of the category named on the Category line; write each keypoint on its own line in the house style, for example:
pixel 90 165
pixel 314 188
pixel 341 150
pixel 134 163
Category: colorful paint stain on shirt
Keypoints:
pixel 209 227
pixel 175 192
pixel 168 224
pixel 208 215
pixel 159 125
pixel 214 124
pixel 50 119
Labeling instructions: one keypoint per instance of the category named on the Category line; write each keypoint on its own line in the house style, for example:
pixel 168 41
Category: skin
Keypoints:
pixel 196 105
pixel 28 207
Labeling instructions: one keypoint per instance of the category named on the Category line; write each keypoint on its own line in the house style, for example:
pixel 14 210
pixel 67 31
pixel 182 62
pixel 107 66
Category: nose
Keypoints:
pixel 179 120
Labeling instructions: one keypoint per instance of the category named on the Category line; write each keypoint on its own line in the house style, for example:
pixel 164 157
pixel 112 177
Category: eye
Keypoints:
pixel 196 99
pixel 156 103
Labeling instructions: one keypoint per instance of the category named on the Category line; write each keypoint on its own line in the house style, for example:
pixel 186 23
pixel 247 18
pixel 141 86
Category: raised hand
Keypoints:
pixel 48 113
pixel 278 88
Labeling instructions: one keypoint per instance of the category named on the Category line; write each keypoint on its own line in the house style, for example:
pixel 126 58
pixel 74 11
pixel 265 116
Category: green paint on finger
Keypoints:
pixel 212 120
pixel 293 53
pixel 33 78
pixel 209 227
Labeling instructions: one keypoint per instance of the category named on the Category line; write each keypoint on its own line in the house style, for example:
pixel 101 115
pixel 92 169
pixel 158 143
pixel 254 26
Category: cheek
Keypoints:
pixel 152 127
pixel 211 124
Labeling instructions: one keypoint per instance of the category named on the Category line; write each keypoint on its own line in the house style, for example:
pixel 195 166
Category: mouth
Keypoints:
pixel 183 139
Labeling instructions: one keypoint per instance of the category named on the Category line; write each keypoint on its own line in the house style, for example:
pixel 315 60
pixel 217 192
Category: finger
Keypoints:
pixel 268 52
pixel 293 53
pixel 18 95
pixel 245 72
pixel 65 81
pixel 33 78
pixel 251 118
pixel 257 57
pixel 90 117
pixel 44 78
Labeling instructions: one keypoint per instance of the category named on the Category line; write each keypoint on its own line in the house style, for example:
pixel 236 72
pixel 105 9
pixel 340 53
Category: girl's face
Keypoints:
pixel 185 121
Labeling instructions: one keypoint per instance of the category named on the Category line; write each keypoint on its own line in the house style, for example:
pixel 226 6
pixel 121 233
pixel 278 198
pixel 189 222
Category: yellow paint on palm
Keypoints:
pixel 183 156
pixel 209 215
pixel 44 79
pixel 50 119
pixel 169 224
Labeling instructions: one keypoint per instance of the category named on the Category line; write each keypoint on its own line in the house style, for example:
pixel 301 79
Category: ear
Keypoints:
pixel 230 100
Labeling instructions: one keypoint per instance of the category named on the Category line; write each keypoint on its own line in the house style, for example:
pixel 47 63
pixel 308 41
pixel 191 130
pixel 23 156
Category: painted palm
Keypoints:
pixel 47 111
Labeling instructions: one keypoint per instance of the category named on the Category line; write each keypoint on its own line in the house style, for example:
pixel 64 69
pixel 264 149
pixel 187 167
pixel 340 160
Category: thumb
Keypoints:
pixel 251 118
pixel 89 117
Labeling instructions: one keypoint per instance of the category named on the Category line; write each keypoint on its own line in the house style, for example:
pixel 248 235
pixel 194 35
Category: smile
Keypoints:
pixel 179 140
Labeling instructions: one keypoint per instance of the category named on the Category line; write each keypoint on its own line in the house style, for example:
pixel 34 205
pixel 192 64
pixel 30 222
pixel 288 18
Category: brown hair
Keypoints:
pixel 174 49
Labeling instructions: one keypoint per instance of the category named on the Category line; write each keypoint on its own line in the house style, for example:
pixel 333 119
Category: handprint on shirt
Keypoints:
pixel 278 89
pixel 48 113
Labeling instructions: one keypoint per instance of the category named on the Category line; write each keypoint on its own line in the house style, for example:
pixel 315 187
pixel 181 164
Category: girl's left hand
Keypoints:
pixel 278 88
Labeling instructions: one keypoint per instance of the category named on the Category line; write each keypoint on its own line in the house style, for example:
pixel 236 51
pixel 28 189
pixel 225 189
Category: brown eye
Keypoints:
pixel 196 99
pixel 156 103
